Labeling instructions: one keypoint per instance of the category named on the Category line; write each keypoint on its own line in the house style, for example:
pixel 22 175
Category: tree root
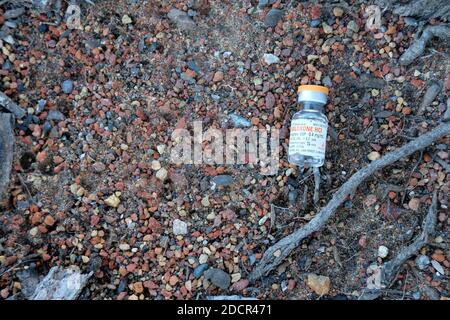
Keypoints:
pixel 275 254
pixel 6 151
pixel 431 93
pixel 418 46
pixel 389 270
pixel 424 9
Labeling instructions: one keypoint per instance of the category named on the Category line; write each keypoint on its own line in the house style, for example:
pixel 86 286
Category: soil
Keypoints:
pixel 133 84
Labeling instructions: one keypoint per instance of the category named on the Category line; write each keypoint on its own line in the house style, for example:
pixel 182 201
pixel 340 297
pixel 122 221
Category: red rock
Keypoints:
pixel 218 76
pixel 362 241
pixel 131 267
pixel 438 256
pixel 150 285
pixel 228 214
pixel 291 284
pixel 255 121
pixel 173 280
pixel 270 100
pixel 315 12
pixel 49 220
pixel 4 293
pixel 36 218
pixel 58 160
pixel 41 156
pixel 95 220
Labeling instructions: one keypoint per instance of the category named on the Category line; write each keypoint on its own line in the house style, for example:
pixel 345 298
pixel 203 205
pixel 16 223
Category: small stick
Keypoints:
pixel 316 184
pixel 391 268
pixel 305 198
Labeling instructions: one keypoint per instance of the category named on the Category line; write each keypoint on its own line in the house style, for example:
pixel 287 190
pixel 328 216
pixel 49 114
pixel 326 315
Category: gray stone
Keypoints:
pixel 67 86
pixel 270 58
pixel 193 66
pixel 327 81
pixel 272 17
pixel 239 122
pixel 198 272
pixel 179 227
pixel 55 115
pixel 422 261
pixel 353 26
pixel 181 19
pixel 292 196
pixel 437 266
pixel 264 3
pixel 218 277
pixel 222 180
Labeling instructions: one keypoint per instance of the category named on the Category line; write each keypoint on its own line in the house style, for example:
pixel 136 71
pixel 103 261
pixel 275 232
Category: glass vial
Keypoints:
pixel 309 126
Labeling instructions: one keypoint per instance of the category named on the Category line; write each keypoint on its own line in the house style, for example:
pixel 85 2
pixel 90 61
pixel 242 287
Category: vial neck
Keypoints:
pixel 312 106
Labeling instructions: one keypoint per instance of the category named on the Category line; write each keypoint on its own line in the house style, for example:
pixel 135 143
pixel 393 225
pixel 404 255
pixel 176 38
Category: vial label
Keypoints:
pixel 308 137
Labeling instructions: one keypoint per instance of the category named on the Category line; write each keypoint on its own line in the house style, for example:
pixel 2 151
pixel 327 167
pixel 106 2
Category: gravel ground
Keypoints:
pixel 93 185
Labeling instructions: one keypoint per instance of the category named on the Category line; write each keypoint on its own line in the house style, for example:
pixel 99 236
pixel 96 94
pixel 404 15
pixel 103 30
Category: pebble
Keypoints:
pixel 161 174
pixel 265 3
pixel 353 26
pixel 235 277
pixel 315 23
pixel 43 27
pixel 112 201
pixel 181 19
pixel 161 148
pixel 67 86
pixel 383 252
pixel 124 246
pixel 374 155
pixel 326 28
pixel 414 204
pixel 49 220
pixel 218 76
pixel 98 167
pixel 156 165
pixel 437 266
pixel 270 58
pixel 200 269
pixel 218 277
pixel 34 231
pixel 203 258
pixel 193 66
pixel 205 201
pixel 55 115
pixel 272 17
pixel 126 19
pixel 222 180
pixel 240 285
pixel 179 227
pixel 422 261
pixel 292 196
pixel 338 12
pixel 319 284
pixel 239 122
